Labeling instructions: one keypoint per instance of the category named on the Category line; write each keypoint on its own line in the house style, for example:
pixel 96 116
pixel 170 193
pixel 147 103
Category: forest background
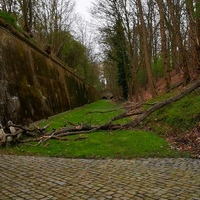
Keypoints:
pixel 139 42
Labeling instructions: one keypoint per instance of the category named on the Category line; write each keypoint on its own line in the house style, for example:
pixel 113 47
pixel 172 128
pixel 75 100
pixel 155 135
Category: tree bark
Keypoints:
pixel 134 86
pixel 146 53
pixel 177 33
pixel 85 129
pixel 198 36
pixel 164 45
pixel 159 105
pixel 192 35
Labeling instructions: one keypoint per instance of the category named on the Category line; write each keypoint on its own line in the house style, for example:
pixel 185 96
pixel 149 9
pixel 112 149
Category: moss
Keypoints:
pixel 8 18
pixel 76 92
pixel 53 74
pixel 42 86
pixel 40 66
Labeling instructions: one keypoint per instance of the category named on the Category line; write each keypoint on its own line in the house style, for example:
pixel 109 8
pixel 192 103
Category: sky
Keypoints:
pixel 82 7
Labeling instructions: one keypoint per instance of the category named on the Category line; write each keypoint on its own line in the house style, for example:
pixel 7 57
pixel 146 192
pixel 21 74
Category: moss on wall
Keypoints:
pixel 38 84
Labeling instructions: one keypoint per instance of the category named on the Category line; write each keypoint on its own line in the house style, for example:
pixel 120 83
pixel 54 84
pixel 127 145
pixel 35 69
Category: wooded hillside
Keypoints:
pixel 139 42
pixel 144 41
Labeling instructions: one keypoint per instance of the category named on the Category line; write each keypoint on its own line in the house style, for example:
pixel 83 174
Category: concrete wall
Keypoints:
pixel 33 85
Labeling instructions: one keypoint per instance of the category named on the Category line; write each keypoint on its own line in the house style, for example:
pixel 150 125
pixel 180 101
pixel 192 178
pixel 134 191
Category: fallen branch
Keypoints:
pixel 74 129
pixel 13 133
pixel 86 129
pixel 146 113
pixel 157 106
pixel 130 108
pixel 41 139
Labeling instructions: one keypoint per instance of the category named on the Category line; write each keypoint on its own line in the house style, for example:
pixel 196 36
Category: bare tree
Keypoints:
pixel 177 35
pixel 164 52
pixel 86 35
pixel 8 5
pixel 146 52
pixel 197 6
pixel 54 20
pixel 27 14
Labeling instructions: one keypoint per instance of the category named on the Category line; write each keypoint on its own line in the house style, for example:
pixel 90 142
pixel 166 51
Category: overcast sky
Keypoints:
pixel 82 7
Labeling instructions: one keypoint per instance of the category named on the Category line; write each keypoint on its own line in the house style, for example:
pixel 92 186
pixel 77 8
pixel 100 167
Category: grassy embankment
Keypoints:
pixel 176 118
pixel 180 117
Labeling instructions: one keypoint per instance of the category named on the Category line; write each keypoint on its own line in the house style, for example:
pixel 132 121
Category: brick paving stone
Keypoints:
pixel 32 178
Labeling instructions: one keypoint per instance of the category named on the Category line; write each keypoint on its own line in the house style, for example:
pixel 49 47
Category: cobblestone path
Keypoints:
pixel 57 178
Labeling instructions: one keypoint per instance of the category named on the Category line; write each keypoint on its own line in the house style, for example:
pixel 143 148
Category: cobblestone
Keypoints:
pixel 26 177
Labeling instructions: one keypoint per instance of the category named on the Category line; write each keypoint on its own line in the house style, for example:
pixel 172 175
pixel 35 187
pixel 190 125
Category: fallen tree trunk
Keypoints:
pixel 143 114
pixel 86 129
pixel 159 105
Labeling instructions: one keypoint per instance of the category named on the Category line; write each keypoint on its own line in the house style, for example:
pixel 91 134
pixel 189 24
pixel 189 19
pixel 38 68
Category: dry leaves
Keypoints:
pixel 188 142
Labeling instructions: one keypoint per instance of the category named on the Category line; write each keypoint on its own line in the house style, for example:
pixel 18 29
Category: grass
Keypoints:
pixel 89 114
pixel 10 19
pixel 116 144
pixel 102 144
pixel 182 115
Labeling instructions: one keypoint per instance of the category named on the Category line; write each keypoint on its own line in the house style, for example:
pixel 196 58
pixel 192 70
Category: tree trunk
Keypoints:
pixel 146 53
pixel 198 36
pixel 177 33
pixel 157 106
pixel 133 83
pixel 136 85
pixel 30 18
pixel 163 45
pixel 25 15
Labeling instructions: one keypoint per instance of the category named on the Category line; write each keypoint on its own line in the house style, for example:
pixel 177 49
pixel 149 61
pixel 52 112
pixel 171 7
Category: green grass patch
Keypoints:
pixel 116 144
pixel 102 144
pixel 182 115
pixel 96 113
pixel 10 19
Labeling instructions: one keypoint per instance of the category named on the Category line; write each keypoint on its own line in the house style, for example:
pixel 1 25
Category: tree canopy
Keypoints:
pixel 155 36
pixel 140 41
pixel 51 23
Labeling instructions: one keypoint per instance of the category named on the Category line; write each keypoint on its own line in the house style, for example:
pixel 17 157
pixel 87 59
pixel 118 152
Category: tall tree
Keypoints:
pixel 86 36
pixel 8 6
pixel 27 14
pixel 146 52
pixel 197 6
pixel 56 18
pixel 119 54
pixel 164 52
pixel 177 34
pixel 192 38
pixel 130 24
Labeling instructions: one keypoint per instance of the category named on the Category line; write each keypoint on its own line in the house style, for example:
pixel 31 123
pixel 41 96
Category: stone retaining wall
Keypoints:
pixel 34 85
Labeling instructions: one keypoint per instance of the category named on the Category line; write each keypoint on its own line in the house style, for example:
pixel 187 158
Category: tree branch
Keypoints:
pixel 157 106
